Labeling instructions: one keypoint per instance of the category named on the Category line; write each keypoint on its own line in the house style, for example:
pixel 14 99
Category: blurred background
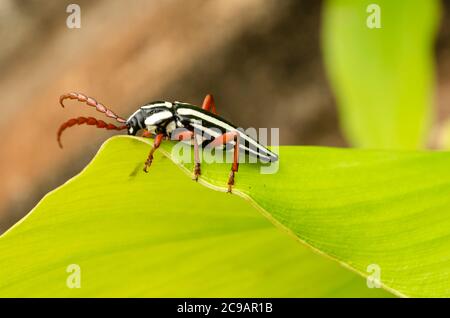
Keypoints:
pixel 268 63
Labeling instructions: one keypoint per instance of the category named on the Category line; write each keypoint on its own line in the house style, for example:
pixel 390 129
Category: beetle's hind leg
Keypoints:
pixel 235 165
pixel 209 104
pixel 232 136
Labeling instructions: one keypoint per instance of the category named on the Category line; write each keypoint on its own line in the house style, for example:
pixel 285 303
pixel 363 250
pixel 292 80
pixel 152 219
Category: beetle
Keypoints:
pixel 162 119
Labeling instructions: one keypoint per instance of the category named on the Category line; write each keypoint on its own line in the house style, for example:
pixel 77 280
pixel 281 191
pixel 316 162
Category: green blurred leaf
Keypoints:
pixel 159 234
pixel 383 78
pixel 443 136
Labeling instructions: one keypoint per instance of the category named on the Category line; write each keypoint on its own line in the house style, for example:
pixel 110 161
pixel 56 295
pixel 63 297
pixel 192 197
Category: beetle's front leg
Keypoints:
pixel 146 134
pixel 156 143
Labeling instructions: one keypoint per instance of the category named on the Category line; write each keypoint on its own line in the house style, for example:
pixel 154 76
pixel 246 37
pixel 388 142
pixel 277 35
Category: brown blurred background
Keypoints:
pixel 260 58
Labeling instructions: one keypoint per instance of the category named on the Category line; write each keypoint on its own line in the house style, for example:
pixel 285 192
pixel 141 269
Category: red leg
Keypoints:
pixel 225 139
pixel 196 157
pixel 147 134
pixel 185 135
pixel 156 143
pixel 209 105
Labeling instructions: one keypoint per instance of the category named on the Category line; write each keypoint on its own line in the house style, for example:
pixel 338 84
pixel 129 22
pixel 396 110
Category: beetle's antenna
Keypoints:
pixel 88 121
pixel 91 102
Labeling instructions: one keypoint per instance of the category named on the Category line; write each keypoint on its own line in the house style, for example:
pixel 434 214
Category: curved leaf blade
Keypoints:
pixel 158 235
pixel 360 207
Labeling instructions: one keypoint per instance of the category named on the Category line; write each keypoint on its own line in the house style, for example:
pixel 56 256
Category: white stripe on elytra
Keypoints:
pixel 192 112
pixel 215 134
pixel 165 104
pixel 211 132
pixel 157 118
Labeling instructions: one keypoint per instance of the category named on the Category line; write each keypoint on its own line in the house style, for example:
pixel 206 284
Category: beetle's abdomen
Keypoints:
pixel 212 126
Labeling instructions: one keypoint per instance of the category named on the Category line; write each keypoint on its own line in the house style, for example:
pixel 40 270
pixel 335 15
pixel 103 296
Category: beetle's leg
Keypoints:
pixel 156 143
pixel 197 171
pixel 209 105
pixel 235 166
pixel 185 135
pixel 225 139
pixel 146 134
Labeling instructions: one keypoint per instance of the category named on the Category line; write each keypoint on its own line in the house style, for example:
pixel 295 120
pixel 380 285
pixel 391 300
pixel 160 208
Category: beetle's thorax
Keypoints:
pixel 156 117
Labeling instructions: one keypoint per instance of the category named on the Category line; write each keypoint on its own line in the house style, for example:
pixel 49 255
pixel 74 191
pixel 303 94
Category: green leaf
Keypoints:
pixel 160 234
pixel 383 78
pixel 360 207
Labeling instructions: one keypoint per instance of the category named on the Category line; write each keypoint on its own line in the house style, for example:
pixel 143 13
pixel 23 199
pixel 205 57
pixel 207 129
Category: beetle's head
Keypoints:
pixel 135 122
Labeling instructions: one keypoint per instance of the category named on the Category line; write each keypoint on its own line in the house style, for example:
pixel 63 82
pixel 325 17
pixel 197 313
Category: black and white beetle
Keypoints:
pixel 162 119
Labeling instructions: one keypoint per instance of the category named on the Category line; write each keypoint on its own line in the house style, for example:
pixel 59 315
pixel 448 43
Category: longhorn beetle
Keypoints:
pixel 162 119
